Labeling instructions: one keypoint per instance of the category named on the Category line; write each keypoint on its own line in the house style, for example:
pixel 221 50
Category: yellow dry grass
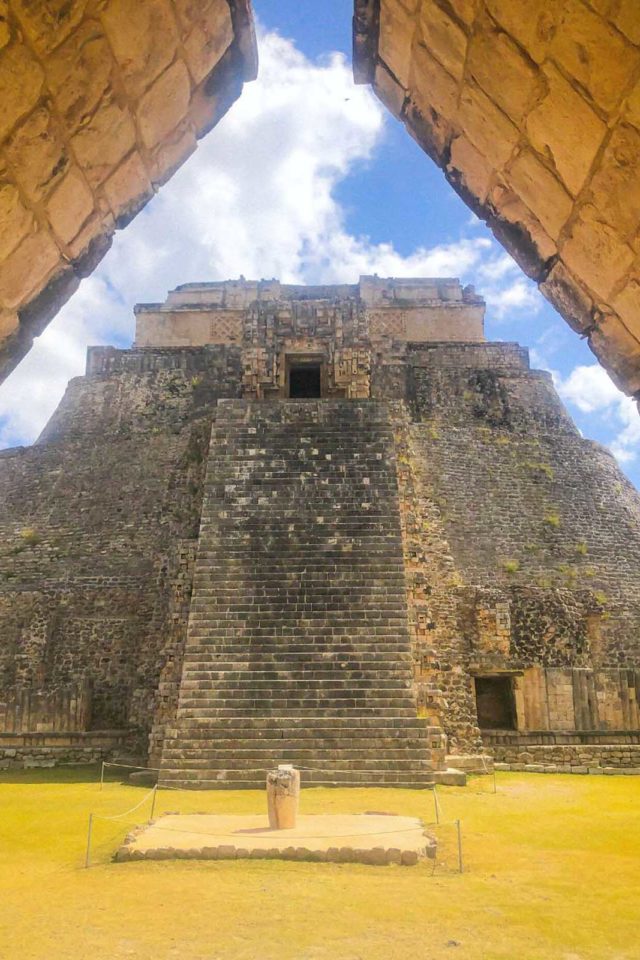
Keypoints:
pixel 552 873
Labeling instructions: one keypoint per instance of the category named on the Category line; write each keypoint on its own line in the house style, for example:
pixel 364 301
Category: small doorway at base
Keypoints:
pixel 304 380
pixel 495 703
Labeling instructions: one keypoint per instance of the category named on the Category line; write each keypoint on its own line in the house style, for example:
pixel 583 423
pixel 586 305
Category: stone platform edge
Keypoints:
pixel 373 856
pixel 378 856
pixel 48 748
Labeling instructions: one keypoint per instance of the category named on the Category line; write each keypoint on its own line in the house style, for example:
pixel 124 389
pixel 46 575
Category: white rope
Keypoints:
pixel 117 816
pixel 129 766
pixel 317 836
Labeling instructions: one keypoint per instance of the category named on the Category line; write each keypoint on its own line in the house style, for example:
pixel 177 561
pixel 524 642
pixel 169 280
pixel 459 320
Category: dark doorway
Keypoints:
pixel 495 703
pixel 305 381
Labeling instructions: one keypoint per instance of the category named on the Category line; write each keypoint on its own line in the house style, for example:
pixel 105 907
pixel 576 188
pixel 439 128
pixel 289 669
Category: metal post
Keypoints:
pixel 459 846
pixel 87 858
pixel 153 801
pixel 495 785
pixel 102 775
pixel 436 804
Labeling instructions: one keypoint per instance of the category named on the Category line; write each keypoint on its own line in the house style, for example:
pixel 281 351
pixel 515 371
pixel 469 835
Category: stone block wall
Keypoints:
pixel 97 522
pixel 532 111
pixel 522 545
pixel 298 649
pixel 604 758
pixel 49 749
pixel 261 312
pixel 102 100
pixel 29 710
pixel 519 541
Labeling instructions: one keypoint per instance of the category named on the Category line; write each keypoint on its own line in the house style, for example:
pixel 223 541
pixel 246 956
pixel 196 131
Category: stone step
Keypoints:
pixel 339 640
pixel 376 741
pixel 284 653
pixel 196 757
pixel 260 683
pixel 320 665
pixel 329 762
pixel 188 713
pixel 198 678
pixel 254 779
pixel 298 642
pixel 285 697
pixel 303 725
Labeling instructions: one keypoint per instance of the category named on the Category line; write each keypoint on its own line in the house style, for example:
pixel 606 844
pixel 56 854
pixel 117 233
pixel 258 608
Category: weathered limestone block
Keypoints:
pixel 207 40
pixel 534 31
pixel 396 36
pixel 444 38
pixel 164 105
pixel 541 191
pixel 594 54
pixel 569 298
pixel 560 121
pixel 143 37
pixel 487 127
pixel 48 24
pixel 128 189
pixel 36 154
pixel 4 25
pixel 595 250
pixel 617 344
pixel 512 87
pixel 79 73
pixel 69 206
pixel 283 797
pixel 15 219
pixel 21 78
pixel 470 168
pixel 533 112
pixel 27 268
pixel 101 145
pixel 615 187
pixel 101 103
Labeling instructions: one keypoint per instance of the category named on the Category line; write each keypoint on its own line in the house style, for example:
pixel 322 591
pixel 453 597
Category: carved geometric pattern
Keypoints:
pixel 224 329
pixel 388 325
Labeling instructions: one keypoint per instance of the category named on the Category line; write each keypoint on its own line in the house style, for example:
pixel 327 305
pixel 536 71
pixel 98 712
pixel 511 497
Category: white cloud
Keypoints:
pixel 590 388
pixel 506 290
pixel 31 393
pixel 257 198
pixel 592 391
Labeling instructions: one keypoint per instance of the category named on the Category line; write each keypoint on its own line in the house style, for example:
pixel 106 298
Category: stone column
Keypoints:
pixel 283 797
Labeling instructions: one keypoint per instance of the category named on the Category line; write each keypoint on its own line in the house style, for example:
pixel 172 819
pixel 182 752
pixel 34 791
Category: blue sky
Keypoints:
pixel 308 178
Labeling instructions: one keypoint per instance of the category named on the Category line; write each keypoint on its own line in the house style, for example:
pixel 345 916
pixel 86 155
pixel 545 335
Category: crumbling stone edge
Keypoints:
pixel 378 856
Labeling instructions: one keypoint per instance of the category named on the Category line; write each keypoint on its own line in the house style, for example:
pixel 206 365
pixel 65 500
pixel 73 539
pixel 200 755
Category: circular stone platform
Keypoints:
pixel 360 838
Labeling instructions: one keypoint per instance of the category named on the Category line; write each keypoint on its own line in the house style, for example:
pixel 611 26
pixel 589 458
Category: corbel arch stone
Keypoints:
pixel 532 111
pixel 100 102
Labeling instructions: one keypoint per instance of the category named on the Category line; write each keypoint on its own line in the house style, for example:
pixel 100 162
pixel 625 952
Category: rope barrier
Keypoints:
pixel 318 836
pixel 126 766
pixel 118 816
pixel 439 822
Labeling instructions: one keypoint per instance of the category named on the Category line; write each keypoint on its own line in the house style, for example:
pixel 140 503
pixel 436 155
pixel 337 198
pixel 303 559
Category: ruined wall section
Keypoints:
pixel 95 523
pixel 544 532
pixel 102 100
pixel 436 600
pixel 532 111
pixel 528 503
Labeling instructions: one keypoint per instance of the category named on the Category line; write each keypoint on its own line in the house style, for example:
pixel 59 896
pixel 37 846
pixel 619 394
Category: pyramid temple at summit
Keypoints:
pixel 330 526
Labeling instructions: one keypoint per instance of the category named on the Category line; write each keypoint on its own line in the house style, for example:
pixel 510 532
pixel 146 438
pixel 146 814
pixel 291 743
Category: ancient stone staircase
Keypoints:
pixel 298 649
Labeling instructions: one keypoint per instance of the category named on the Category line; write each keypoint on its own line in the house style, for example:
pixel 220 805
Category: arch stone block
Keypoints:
pixel 102 100
pixel 532 111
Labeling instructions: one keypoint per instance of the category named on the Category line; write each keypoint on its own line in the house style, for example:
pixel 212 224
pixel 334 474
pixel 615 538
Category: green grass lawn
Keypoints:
pixel 552 871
